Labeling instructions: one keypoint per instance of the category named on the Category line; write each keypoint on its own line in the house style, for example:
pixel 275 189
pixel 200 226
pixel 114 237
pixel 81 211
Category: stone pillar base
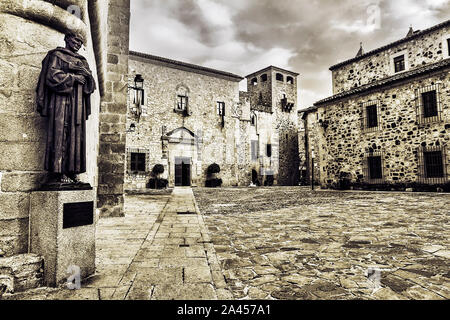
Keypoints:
pixel 62 230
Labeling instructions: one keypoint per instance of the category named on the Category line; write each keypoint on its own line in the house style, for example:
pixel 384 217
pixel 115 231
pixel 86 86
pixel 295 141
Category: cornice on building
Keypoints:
pixel 386 81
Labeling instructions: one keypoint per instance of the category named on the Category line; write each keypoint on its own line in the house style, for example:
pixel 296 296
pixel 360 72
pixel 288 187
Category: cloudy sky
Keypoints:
pixel 306 36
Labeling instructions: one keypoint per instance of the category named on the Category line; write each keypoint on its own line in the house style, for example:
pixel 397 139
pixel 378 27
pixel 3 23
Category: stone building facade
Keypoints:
pixel 388 121
pixel 187 117
pixel 273 103
pixel 28 30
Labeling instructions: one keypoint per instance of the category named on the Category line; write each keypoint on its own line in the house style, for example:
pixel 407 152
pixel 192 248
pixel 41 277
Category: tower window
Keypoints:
pixel 429 104
pixel 254 82
pixel 399 63
pixel 264 78
pixel 279 77
pixel 290 80
pixel 269 150
pixel 253 119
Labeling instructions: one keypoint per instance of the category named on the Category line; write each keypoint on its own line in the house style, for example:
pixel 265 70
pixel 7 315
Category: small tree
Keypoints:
pixel 156 182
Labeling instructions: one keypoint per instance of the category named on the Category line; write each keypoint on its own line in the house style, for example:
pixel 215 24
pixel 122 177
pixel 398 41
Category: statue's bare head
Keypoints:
pixel 73 41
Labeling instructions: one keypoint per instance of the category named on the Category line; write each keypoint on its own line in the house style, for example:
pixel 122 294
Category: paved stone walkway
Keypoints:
pixel 291 243
pixel 270 243
pixel 160 250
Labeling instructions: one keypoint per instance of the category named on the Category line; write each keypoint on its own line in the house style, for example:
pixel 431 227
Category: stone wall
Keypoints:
pixel 28 30
pixel 275 126
pixel 342 146
pixel 213 143
pixel 111 162
pixel 286 125
pixel 425 49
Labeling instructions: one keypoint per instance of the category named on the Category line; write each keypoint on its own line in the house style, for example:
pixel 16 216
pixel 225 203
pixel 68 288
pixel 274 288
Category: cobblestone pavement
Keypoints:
pixel 292 243
pixel 152 253
pixel 269 243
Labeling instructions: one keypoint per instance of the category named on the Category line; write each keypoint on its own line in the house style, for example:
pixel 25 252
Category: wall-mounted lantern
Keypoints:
pixel 132 128
pixel 138 97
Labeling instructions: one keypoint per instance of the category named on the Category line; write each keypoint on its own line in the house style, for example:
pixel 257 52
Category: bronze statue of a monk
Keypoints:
pixel 63 96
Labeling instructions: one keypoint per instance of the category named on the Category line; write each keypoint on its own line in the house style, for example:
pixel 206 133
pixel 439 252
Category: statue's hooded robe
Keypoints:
pixel 67 105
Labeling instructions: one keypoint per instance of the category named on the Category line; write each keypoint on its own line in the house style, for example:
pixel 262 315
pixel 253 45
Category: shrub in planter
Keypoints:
pixel 211 180
pixel 269 181
pixel 156 182
pixel 213 183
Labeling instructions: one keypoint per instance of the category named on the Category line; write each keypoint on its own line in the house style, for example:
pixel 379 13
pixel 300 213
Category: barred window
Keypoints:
pixel 137 160
pixel 399 63
pixel 182 102
pixel 371 116
pixel 432 167
pixel 373 167
pixel 428 106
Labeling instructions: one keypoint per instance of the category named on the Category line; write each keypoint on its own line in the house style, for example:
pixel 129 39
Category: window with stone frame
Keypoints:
pixel 373 167
pixel 399 63
pixel 432 164
pixel 137 160
pixel 428 106
pixel 370 120
pixel 254 82
pixel 289 80
pixel 264 78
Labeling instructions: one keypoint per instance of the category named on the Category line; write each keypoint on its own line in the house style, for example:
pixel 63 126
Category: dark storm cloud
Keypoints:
pixel 306 36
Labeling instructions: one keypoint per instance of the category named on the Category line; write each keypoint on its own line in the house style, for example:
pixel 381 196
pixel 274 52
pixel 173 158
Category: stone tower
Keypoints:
pixel 273 100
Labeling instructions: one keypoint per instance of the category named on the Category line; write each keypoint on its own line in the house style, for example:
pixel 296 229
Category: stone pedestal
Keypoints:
pixel 62 230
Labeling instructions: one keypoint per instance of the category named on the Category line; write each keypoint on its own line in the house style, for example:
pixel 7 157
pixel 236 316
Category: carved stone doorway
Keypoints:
pixel 182 172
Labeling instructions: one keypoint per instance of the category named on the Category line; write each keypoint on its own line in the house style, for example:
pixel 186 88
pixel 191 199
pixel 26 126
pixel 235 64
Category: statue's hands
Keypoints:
pixel 79 78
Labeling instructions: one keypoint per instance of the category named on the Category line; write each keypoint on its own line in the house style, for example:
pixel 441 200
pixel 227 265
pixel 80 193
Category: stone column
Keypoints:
pixel 111 162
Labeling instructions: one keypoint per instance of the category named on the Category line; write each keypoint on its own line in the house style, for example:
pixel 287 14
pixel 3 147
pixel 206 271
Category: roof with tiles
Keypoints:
pixel 187 66
pixel 409 37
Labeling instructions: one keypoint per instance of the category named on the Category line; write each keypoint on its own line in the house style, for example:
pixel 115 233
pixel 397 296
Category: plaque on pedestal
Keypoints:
pixel 62 227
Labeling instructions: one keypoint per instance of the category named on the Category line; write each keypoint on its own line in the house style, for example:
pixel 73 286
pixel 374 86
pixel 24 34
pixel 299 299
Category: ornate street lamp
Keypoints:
pixel 138 99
